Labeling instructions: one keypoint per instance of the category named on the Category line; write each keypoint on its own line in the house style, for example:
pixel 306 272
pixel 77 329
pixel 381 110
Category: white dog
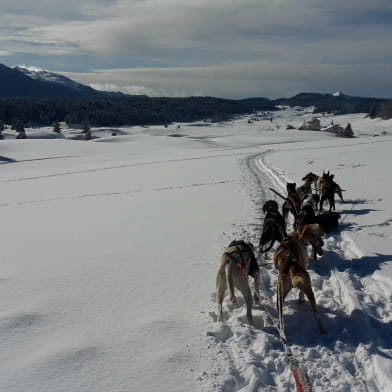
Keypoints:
pixel 312 200
pixel 236 264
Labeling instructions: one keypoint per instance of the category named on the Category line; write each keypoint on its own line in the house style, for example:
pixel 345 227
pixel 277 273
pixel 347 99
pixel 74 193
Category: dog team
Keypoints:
pixel 305 204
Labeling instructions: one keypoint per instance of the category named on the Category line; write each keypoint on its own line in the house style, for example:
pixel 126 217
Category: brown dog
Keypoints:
pixel 291 258
pixel 326 179
pixel 237 262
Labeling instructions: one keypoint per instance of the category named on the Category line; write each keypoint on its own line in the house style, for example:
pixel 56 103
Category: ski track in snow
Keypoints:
pixel 115 167
pixel 252 359
pixel 111 194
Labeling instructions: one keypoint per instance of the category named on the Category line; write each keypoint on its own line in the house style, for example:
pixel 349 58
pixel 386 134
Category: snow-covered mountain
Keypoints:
pixel 43 75
pixel 24 81
pixel 47 76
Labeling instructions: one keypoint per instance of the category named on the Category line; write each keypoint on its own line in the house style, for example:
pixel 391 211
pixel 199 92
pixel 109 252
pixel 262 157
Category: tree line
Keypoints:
pixel 382 110
pixel 123 111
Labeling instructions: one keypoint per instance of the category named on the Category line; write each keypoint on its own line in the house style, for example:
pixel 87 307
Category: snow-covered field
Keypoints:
pixel 109 250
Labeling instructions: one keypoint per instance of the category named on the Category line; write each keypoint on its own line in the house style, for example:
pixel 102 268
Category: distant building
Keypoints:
pixel 311 125
pixel 340 131
pixel 334 128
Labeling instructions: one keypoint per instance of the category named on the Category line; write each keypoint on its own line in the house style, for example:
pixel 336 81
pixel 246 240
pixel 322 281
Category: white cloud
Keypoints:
pixel 191 45
pixel 127 89
pixel 243 80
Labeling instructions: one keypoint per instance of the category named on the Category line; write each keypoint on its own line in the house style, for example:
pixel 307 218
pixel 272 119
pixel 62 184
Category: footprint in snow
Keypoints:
pixel 220 332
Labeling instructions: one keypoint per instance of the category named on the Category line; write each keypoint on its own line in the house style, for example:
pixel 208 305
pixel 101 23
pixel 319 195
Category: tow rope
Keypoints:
pixel 302 381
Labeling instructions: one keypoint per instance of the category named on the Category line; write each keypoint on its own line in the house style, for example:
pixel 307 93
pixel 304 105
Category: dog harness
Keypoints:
pixel 287 245
pixel 294 200
pixel 236 252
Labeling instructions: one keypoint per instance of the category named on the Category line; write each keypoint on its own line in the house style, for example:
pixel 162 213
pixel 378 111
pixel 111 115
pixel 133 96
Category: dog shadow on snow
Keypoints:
pixel 359 267
pixel 357 201
pixel 344 330
pixel 362 211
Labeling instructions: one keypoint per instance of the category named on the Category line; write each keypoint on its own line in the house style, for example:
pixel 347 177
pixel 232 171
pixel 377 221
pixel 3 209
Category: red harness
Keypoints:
pixel 242 268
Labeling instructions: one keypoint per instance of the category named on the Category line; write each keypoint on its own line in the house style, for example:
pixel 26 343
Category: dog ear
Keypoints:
pixel 301 231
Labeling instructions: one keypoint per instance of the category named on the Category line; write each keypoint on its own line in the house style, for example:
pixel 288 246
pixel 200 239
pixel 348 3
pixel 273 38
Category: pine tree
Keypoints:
pixel 348 132
pixel 56 127
pixel 19 127
pixel 86 126
pixel 87 130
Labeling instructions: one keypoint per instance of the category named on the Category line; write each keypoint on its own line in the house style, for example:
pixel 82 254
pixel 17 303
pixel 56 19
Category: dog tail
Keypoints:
pixel 221 274
pixel 297 279
pixel 264 250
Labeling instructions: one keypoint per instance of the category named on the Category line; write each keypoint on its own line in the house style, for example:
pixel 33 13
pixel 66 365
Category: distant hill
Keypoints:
pixel 333 103
pixel 42 97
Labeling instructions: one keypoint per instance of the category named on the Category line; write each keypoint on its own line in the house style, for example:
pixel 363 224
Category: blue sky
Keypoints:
pixel 223 48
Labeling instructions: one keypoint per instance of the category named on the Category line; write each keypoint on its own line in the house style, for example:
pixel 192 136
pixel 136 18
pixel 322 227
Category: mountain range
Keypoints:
pixel 26 83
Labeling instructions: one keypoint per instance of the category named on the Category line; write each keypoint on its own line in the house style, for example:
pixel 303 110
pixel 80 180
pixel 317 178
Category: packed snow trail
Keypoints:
pixel 253 359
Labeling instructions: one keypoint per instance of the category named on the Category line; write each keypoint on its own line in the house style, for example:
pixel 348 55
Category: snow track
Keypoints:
pixel 347 296
pixel 124 193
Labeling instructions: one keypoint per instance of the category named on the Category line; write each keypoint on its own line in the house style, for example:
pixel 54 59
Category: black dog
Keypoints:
pixel 328 191
pixel 274 227
pixel 328 221
pixel 328 194
pixel 292 203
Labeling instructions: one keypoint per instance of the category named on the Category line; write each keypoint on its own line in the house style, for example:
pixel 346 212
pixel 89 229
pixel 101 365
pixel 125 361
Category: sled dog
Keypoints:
pixel 236 264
